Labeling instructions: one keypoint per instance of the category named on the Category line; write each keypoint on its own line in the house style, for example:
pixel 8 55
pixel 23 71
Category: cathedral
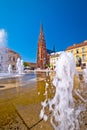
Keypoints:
pixel 42 53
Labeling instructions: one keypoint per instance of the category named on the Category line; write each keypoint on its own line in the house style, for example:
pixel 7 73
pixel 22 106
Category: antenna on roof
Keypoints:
pixel 53 48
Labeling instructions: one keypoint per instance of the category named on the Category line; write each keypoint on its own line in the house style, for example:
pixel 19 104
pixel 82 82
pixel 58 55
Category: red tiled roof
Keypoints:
pixel 13 51
pixel 77 45
pixel 9 50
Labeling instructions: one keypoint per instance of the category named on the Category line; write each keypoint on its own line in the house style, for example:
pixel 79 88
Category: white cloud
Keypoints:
pixel 3 38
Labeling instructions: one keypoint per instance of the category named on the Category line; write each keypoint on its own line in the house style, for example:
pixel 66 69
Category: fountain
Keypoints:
pixel 10 69
pixel 63 114
pixel 5 68
pixel 19 66
pixel 85 75
pixel 3 51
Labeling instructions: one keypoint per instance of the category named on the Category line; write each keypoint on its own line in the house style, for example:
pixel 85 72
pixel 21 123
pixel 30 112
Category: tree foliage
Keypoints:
pixel 26 64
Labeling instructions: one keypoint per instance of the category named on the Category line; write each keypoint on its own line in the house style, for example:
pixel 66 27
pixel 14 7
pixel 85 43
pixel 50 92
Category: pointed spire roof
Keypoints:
pixel 41 36
pixel 41 27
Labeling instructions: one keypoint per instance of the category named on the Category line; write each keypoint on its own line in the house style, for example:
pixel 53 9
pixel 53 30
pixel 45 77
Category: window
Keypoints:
pixel 13 67
pixel 83 57
pixel 77 51
pixel 83 49
pixel 77 57
pixel 72 51
pixel 78 61
pixel 13 58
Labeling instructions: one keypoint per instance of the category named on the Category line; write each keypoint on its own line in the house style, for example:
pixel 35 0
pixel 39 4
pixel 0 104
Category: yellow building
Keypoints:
pixel 80 53
pixel 53 58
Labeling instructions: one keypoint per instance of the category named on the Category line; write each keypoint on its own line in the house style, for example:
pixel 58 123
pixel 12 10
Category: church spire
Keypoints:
pixel 41 28
pixel 41 36
pixel 41 52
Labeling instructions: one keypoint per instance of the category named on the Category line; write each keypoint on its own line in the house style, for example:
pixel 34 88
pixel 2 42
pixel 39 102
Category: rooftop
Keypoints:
pixel 84 43
pixel 55 53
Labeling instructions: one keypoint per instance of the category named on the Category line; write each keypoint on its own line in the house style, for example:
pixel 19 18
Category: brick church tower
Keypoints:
pixel 41 52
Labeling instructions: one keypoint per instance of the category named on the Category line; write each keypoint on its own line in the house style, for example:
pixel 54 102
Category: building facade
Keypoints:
pixel 12 58
pixel 8 56
pixel 53 58
pixel 80 53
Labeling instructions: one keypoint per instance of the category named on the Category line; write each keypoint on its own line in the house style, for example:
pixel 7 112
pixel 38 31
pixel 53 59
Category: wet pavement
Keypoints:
pixel 20 103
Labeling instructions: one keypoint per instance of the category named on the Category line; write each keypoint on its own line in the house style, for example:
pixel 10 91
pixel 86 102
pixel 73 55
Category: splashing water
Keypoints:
pixel 10 69
pixel 3 51
pixel 85 75
pixel 19 66
pixel 63 115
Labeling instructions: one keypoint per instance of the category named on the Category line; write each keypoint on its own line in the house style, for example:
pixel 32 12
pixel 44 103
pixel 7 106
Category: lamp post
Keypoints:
pixel 44 62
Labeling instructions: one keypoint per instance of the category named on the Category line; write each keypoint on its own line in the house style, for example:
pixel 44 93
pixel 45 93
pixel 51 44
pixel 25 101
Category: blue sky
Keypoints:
pixel 64 23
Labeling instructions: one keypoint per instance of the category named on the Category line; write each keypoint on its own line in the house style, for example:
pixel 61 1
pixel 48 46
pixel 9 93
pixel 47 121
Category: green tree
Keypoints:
pixel 26 64
pixel 47 65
